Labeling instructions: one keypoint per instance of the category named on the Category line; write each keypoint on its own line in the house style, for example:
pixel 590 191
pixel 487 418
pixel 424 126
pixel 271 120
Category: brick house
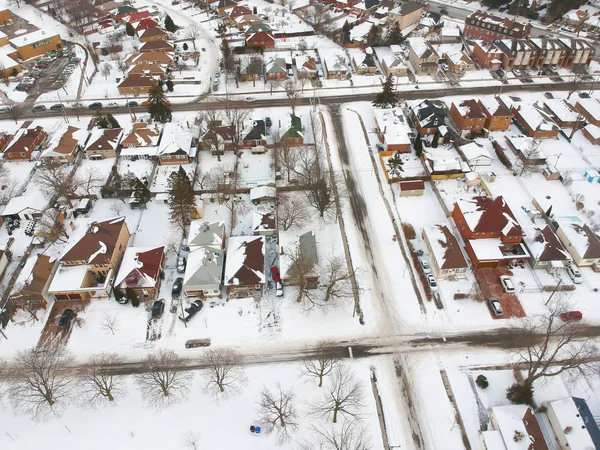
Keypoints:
pixel 562 112
pixel 245 266
pixel 276 69
pixel 34 291
pixel 146 70
pixel 153 35
pixel 260 39
pixel 536 122
pixel 177 144
pixel 447 261
pixel 165 59
pixel 136 86
pixel 64 144
pixel 592 133
pixel 294 134
pixel 517 54
pixel 140 270
pixel 22 145
pixel 590 109
pixel 487 55
pixel 428 116
pixel 218 138
pixel 468 115
pixel 481 25
pixel 393 130
pixel 256 137
pixel 5 138
pixel 335 67
pixel 157 46
pixel 579 52
pixel 103 143
pixel 550 53
pixel 459 62
pixel 498 116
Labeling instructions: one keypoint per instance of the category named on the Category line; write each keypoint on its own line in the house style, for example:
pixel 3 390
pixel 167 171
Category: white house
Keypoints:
pixel 476 155
pixel 27 207
pixel 573 424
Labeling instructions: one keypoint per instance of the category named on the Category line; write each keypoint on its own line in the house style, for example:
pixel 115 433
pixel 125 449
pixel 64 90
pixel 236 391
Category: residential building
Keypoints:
pixel 579 239
pixel 136 86
pixel 264 224
pixel 414 188
pixel 592 133
pixel 157 46
pixel 140 141
pixel 91 258
pixel 276 69
pixel 178 144
pixel 364 64
pixel 498 116
pixel 246 20
pixel 257 135
pixel 590 108
pixel 406 14
pixel 467 115
pixel 64 144
pixel 25 141
pixel 580 52
pixel 393 64
pixel 154 71
pixel 218 138
pixel 549 53
pixel 153 35
pixel 204 272
pixel 518 427
pixel 546 250
pixel 260 39
pixel 103 143
pixel 475 155
pixel 5 138
pixel 252 70
pixel 573 423
pixel 145 24
pixel 527 150
pixel 245 266
pixel 225 5
pixel 34 281
pixel 487 54
pixel 447 259
pixel 263 194
pixel 141 271
pixel 428 116
pixel 291 246
pixel 5 18
pixel 202 233
pixel 237 11
pixel 306 67
pixel 517 54
pixel 481 25
pixel 36 43
pixel 295 133
pixel 535 121
pixel 562 112
pixel 29 206
pixel 423 58
pixel 392 129
pixel 162 58
pixel 459 62
pixel 335 67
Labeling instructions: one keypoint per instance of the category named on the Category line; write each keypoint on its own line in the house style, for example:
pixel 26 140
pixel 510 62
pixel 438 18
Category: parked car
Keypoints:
pixel 443 11
pixel 191 311
pixel 113 105
pixel 158 308
pixel 177 286
pixel 181 264
pixel 38 108
pixel 574 273
pixel 507 284
pixel 4 110
pixel 584 95
pixel 278 289
pixel 57 107
pixel 275 274
pixel 495 306
pixel 432 282
pixel 65 317
pixel 133 104
pixel 95 105
pixel 217 75
pixel 250 99
pixel 571 316
pixel 268 122
pixel 425 265
pixel 548 95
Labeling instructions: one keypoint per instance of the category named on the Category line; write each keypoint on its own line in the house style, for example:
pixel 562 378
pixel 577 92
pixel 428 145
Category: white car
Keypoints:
pixel 574 273
pixel 278 289
pixel 507 284
pixel 432 282
pixel 113 105
pixel 425 265
pixel 250 99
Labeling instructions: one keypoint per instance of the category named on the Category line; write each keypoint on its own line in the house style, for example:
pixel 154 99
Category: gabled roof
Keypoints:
pixel 245 261
pixel 580 236
pixel 34 200
pixel 207 234
pixel 23 139
pixel 141 135
pixel 104 139
pixel 493 108
pixel 138 82
pixel 149 32
pixel 519 419
pixel 367 61
pixel 96 245
pixel 430 113
pixel 445 246
pixel 239 10
pixel 489 215
pixel 257 27
pixel 140 267
pixel 544 245
pixel 226 4
pixel 290 241
pixel 472 151
pixel 258 131
pixel 65 141
pixel 276 65
pixel 156 45
pixel 263 222
pixel 335 63
pixel 204 267
pixel 149 57
pixel 295 127
pixel 261 36
pixel 176 139
pixel 393 125
pixel 469 109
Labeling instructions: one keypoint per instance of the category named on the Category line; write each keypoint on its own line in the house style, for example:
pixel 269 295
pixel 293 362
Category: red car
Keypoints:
pixel 571 316
pixel 275 274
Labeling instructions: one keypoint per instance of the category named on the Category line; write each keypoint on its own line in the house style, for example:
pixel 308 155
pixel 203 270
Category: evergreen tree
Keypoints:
pixel 141 193
pixel 105 120
pixel 119 297
pixel 185 46
pixel 132 296
pixel 494 4
pixel 170 25
pixel 129 30
pixel 395 164
pixel 418 145
pixel 158 108
pixel 395 36
pixel 374 36
pixel 387 96
pixel 520 394
pixel 181 199
pixel 436 139
pixel 169 85
pixel 346 33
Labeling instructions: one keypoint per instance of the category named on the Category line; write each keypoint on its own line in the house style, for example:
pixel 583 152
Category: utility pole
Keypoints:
pixel 554 291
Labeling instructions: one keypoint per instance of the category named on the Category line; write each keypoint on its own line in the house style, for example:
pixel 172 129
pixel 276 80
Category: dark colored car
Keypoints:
pixel 95 105
pixel 133 104
pixel 571 316
pixel 275 274
pixel 65 317
pixel 38 108
pixel 57 107
pixel 191 311
pixel 584 95
pixel 158 308
pixel 268 121
pixel 176 290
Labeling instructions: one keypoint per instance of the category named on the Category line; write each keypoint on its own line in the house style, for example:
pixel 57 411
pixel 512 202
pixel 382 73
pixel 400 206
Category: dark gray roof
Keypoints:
pixel 588 419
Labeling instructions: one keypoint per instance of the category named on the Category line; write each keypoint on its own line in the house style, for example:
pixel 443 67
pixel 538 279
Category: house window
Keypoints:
pixel 22 154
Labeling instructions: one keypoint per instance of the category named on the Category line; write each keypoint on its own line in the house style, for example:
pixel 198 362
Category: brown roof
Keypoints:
pixel 33 288
pixel 553 249
pixel 453 257
pixel 417 185
pixel 67 142
pixel 239 11
pixel 156 45
pixel 474 110
pixel 149 57
pixel 148 69
pixel 22 142
pixel 254 261
pixel 141 134
pixel 500 111
pixel 153 32
pixel 97 245
pixel 538 442
pixel 138 82
pixel 489 215
pixel 593 248
pixel 108 140
pixel 146 269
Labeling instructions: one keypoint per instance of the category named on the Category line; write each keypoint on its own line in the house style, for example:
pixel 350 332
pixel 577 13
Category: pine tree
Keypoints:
pixel 132 296
pixel 105 120
pixel 185 46
pixel 374 36
pixel 129 30
pixel 436 139
pixel 158 108
pixel 395 164
pixel 141 193
pixel 181 199
pixel 346 33
pixel 170 25
pixel 169 85
pixel 418 145
pixel 387 96
pixel 395 35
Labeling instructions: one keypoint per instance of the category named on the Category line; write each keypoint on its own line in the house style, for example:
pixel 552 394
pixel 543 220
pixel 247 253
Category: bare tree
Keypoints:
pixel 52 227
pixel 98 383
pixel 286 157
pixel 527 158
pixel 307 164
pixel 224 374
pixel 110 323
pixel 336 281
pixel 192 31
pixel 291 212
pixel 320 195
pixel 221 179
pixel 14 110
pixel 190 439
pixel 317 15
pixel 212 138
pixel 89 181
pixel 273 85
pixel 106 70
pixel 345 396
pixel 41 384
pixel 579 76
pixel 302 267
pixel 235 119
pixel 291 90
pixel 277 411
pixel 322 366
pixel 116 209
pixel 165 383
pixel 55 179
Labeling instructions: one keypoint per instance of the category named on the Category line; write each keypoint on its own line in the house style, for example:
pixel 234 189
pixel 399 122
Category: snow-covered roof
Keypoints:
pixel 141 134
pixel 421 47
pixel 446 249
pixel 289 241
pixel 459 59
pixel 527 146
pixel 473 151
pixel 544 245
pixel 139 151
pixel 494 107
pixel 92 241
pixel 31 200
pixel 393 125
pixel 258 193
pixel 561 109
pixel 489 215
pixel 245 263
pixel 140 267
pixel 593 130
pixel 574 413
pixel 263 221
pixel 335 63
pixel 73 279
pixel 204 233
pixel 104 139
pixel 65 140
pixel 493 440
pixel 515 420
pixel 204 267
pixel 580 236
pixel 591 105
pixel 31 38
pixel 537 119
pixel 176 139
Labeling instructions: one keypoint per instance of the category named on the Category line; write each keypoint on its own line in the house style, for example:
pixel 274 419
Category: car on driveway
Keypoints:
pixel 191 311
pixel 278 289
pixel 574 273
pixel 65 317
pixel 432 282
pixel 584 95
pixel 495 306
pixel 95 105
pixel 181 263
pixel 507 284
pixel 425 265
pixel 548 95
pixel 275 274
pixel 571 316
pixel 38 108
pixel 158 308
pixel 177 286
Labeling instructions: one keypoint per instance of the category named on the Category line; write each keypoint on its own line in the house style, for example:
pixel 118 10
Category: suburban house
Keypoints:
pixel 218 138
pixel 140 141
pixel 103 143
pixel 414 188
pixel 535 121
pixel 487 54
pixel 252 70
pixel 562 112
pixel 423 58
pixel 162 58
pixel 335 67
pixel 365 63
pixel 263 194
pixel 527 150
pixel 294 247
pixel 428 116
pixel 204 272
pixel 141 271
pixel 177 144
pixel 136 86
pixel 246 20
pixel 206 234
pixel 580 52
pixel 468 115
pixel 257 135
pixel 459 62
pixel 573 423
pixel 30 206
pixel 475 155
pixel 91 258
pixel 406 14
pixel 237 11
pixel 24 142
pixel 146 70
pixel 579 239
pixel 32 284
pixel 590 109
pixel 498 116
pixel 294 134
pixel 549 53
pixel 306 67
pixel 516 427
pixel 276 69
pixel 64 144
pixel 260 39
pixel 264 223
pixel 5 138
pixel 394 64
pixel 546 250
pixel 157 46
pixel 144 24
pixel 392 129
pixel 448 261
pixel 225 5
pixel 516 54
pixel 592 133
pixel 490 230
pixel 245 266
pixel 481 25
pixel 153 34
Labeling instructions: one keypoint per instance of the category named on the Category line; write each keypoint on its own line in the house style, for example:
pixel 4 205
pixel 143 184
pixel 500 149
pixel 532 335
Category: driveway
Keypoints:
pixel 489 283
pixel 52 335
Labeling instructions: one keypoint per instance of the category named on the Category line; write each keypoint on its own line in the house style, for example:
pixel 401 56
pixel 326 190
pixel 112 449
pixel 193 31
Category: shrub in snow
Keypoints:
pixel 520 394
pixel 482 382
pixel 131 295
pixel 119 297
